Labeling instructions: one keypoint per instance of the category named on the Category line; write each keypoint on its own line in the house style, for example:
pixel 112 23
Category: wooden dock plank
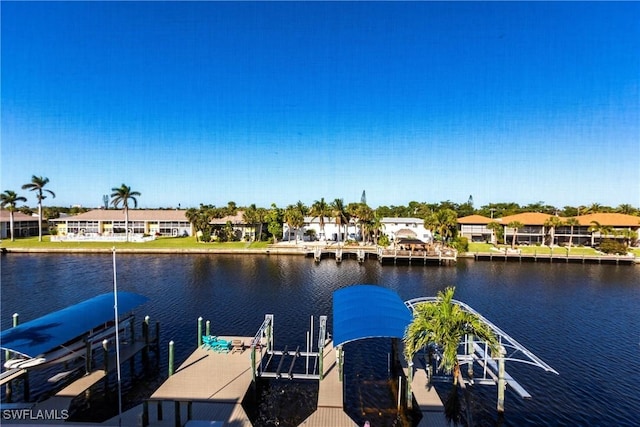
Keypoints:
pixel 81 384
pixel 330 391
pixel 324 417
pixel 209 375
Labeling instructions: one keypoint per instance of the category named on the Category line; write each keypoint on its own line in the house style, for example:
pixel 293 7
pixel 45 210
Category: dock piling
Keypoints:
pixel 207 328
pixel 171 358
pixel 199 341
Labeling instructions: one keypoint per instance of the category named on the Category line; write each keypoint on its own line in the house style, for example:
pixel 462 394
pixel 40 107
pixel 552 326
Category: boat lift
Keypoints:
pixel 263 345
pixel 493 367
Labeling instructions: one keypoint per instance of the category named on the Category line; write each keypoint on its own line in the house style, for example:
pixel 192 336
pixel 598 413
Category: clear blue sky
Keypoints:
pixel 207 102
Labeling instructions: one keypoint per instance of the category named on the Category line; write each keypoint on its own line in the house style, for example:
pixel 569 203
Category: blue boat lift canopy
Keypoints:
pixel 368 311
pixel 36 337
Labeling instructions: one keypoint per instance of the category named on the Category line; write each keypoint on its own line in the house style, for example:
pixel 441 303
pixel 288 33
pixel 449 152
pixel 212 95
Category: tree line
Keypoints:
pixel 440 217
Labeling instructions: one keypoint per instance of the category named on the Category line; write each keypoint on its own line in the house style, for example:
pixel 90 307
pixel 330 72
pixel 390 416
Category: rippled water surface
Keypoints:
pixel 584 320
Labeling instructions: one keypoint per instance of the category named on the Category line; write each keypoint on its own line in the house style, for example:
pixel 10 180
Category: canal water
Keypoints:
pixel 583 320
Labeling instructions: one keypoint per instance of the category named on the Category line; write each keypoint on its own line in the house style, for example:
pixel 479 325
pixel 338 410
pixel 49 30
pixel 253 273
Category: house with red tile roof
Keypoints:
pixel 474 228
pixel 589 229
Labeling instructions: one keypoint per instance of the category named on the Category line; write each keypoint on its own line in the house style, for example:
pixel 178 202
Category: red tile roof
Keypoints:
pixel 610 219
pixel 527 218
pixel 475 219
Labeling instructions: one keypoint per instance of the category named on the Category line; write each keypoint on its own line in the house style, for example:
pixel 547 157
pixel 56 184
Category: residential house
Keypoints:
pixel 106 222
pixel 23 225
pixel 409 228
pixel 311 230
pixel 620 226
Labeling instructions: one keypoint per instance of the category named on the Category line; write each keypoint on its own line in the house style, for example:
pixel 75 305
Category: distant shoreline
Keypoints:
pixel 272 250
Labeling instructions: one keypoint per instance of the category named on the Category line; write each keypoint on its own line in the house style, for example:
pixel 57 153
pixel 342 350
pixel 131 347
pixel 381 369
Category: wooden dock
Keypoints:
pixel 208 386
pixel 384 256
pixel 330 411
pixel 556 258
pixel 427 398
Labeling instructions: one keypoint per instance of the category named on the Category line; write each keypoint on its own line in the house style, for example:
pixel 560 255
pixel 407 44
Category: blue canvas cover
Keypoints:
pixel 36 337
pixel 368 311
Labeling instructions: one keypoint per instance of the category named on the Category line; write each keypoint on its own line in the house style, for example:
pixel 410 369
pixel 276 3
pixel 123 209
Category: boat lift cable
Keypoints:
pixel 505 339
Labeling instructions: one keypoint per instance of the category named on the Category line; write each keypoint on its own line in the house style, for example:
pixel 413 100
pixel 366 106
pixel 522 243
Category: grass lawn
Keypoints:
pixel 542 250
pixel 177 243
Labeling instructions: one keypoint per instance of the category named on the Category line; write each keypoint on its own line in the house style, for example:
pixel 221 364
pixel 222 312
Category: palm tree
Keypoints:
pixel 250 216
pixel 444 323
pixel 553 223
pixel 602 230
pixel 365 216
pixel 320 209
pixel 497 230
pixel 515 225
pixel 572 222
pixel 626 209
pixel 8 200
pixel 443 222
pixel 122 195
pixel 37 184
pixel 294 218
pixel 341 216
pixel 261 216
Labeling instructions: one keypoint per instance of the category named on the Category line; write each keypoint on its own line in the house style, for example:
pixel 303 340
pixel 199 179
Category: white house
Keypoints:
pixel 332 232
pixel 411 228
pixel 395 228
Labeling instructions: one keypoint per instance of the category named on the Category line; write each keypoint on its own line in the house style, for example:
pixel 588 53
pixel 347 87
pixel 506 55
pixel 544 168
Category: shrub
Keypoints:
pixel 461 244
pixel 384 240
pixel 610 246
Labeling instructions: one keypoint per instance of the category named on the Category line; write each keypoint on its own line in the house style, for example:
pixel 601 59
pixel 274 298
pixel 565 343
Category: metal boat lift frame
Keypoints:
pixel 511 350
pixel 263 343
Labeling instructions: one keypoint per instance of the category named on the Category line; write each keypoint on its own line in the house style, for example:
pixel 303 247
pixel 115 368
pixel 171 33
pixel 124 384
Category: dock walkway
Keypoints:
pixel 426 396
pixel 208 384
pixel 330 411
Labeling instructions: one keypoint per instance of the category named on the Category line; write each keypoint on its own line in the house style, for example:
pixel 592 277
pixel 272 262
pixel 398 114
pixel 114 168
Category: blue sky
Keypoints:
pixel 207 102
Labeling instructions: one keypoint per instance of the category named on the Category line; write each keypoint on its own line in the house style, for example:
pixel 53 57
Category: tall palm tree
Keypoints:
pixel 250 216
pixel 321 210
pixel 553 223
pixel 571 222
pixel 341 216
pixel 261 217
pixel 294 219
pixel 444 323
pixel 365 215
pixel 37 184
pixel 497 231
pixel 515 225
pixel 8 200
pixel 122 195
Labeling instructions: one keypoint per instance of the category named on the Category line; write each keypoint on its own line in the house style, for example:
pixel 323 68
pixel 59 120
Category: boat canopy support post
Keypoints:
pixel 15 321
pixel 501 381
pixel 321 342
pixel 87 359
pixel 340 357
pixel 470 351
pixel 409 382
